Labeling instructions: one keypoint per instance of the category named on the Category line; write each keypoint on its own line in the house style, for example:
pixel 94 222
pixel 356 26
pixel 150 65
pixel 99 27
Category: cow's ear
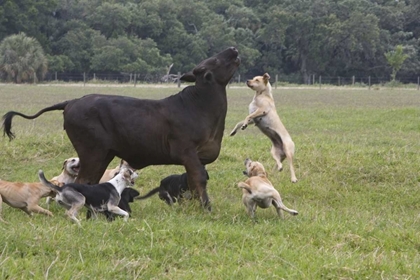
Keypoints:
pixel 188 77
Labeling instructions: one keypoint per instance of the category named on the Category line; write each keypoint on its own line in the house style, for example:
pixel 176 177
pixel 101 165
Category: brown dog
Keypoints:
pixel 69 174
pixel 262 112
pixel 258 191
pixel 24 196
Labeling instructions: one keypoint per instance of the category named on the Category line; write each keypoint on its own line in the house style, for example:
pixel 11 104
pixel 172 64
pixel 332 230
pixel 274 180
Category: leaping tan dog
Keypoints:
pixel 257 190
pixel 69 173
pixel 263 113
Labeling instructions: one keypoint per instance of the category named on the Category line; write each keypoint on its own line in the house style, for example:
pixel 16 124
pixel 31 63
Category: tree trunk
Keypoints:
pixel 303 70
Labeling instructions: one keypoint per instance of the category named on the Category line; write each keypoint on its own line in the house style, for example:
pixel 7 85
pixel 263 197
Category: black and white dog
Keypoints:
pixel 171 188
pixel 97 198
pixel 127 196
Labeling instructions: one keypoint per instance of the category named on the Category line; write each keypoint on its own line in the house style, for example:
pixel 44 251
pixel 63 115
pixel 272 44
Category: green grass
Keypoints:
pixel 357 161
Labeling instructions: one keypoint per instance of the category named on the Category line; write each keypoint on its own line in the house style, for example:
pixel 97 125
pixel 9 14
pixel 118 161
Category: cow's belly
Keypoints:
pixel 209 152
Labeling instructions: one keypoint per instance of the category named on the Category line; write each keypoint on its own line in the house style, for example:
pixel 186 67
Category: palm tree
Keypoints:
pixel 22 59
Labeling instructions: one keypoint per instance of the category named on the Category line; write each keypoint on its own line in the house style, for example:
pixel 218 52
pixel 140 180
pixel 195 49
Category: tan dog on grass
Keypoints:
pixel 257 190
pixel 263 113
pixel 69 173
pixel 24 196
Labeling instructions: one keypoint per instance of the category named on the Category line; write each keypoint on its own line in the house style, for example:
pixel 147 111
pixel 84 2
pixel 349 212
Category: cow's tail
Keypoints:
pixel 149 194
pixel 47 183
pixel 7 118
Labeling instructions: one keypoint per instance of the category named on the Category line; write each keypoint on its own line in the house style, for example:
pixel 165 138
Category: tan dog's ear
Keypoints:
pixel 251 172
pixel 64 164
pixel 266 77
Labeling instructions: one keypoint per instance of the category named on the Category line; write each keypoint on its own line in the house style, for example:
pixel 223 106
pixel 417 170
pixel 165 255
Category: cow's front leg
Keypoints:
pixel 197 182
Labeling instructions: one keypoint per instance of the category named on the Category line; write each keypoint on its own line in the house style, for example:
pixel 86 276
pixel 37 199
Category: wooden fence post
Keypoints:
pixel 277 79
pixel 135 79
pixel 84 78
pixel 239 78
pixel 320 81
pixel 418 83
pixel 353 81
pixel 56 76
pixel 179 79
pixel 369 82
pixel 339 81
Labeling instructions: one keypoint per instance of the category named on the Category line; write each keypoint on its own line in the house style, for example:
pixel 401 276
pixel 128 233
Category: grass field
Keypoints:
pixel 358 164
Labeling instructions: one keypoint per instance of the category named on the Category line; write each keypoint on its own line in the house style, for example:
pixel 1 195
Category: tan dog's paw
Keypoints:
pixel 233 132
pixel 244 126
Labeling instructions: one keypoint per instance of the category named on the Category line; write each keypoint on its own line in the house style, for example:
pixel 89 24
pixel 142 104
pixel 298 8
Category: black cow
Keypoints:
pixel 183 129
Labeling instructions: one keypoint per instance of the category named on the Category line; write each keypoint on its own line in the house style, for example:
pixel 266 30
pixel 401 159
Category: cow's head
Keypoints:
pixel 216 69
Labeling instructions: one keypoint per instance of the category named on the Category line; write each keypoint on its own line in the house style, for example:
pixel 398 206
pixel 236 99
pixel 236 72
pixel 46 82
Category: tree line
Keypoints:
pixel 294 38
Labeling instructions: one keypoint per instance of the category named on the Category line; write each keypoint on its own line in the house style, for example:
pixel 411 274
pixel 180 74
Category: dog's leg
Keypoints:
pixel 117 210
pixel 237 126
pixel 38 209
pixel 249 119
pixel 250 208
pixel 74 209
pixel 48 200
pixel 1 204
pixel 253 209
pixel 275 153
pixel 72 214
pixel 292 169
pixel 167 197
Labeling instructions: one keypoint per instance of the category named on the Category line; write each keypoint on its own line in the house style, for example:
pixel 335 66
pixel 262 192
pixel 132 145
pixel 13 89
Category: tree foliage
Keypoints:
pixel 22 59
pixel 294 38
pixel 396 59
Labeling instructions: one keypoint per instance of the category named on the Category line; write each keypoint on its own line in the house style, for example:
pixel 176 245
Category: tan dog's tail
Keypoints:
pixel 245 186
pixel 284 208
pixel 47 183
